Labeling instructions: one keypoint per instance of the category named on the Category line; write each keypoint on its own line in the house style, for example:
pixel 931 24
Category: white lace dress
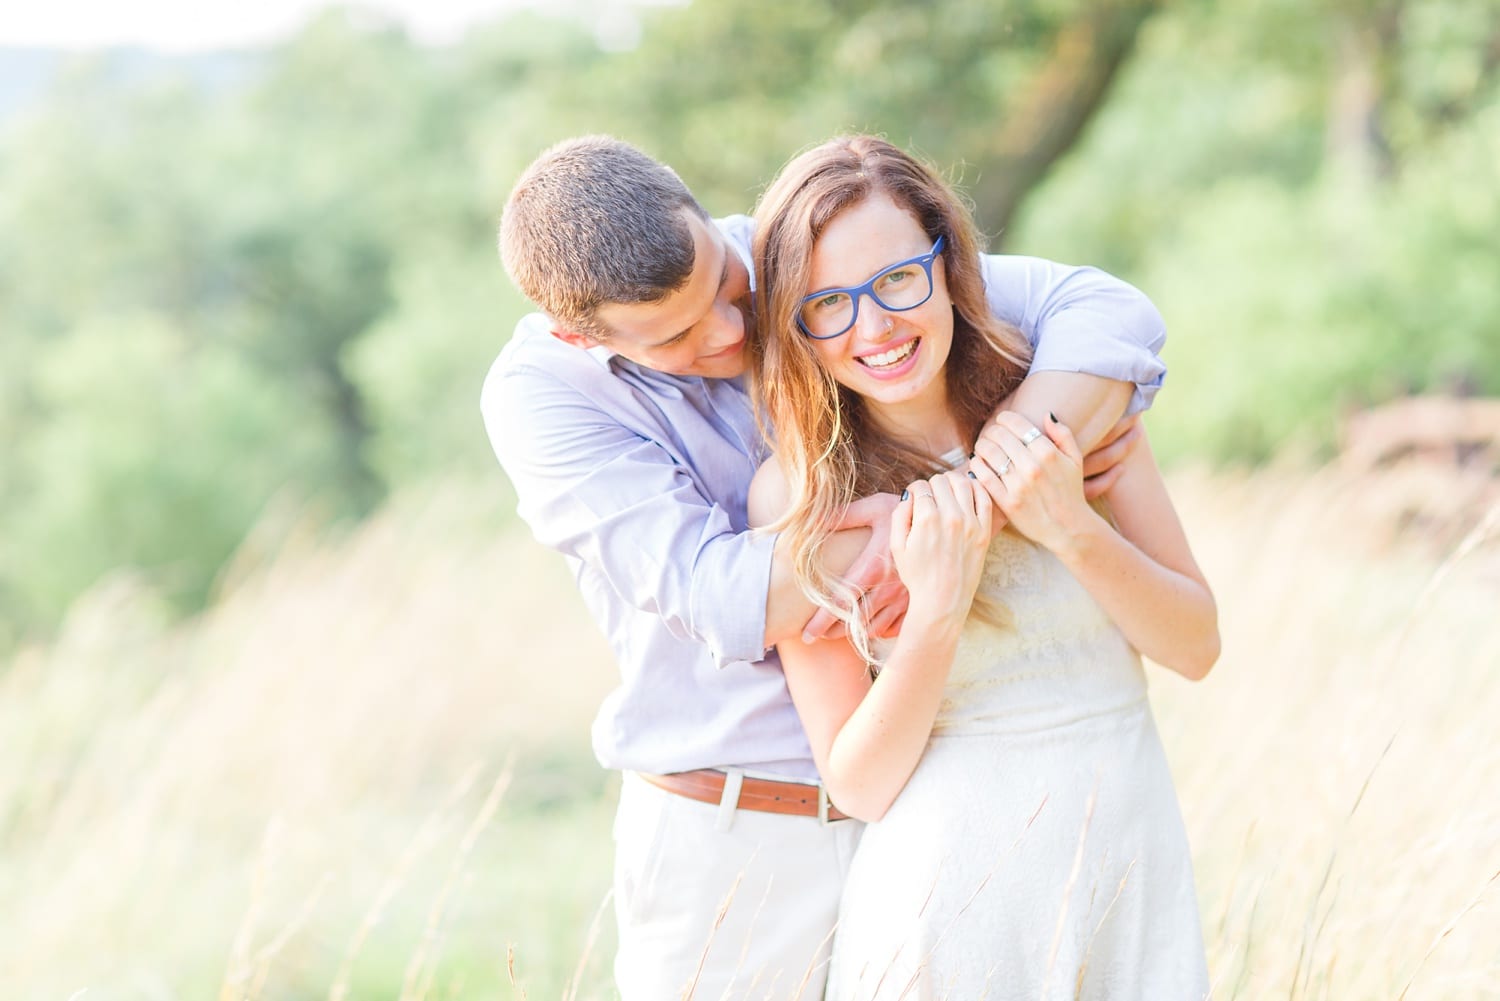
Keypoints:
pixel 1038 850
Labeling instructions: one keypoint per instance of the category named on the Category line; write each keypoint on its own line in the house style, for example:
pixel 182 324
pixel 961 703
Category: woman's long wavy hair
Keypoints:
pixel 830 447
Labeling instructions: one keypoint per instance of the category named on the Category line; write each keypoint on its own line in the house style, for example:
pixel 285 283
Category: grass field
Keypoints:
pixel 364 773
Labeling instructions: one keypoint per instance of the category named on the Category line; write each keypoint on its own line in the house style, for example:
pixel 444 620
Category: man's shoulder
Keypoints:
pixel 533 351
pixel 532 341
pixel 554 381
pixel 740 229
pixel 535 361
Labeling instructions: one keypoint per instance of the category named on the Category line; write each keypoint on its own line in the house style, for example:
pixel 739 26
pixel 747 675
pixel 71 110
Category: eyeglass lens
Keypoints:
pixel 902 287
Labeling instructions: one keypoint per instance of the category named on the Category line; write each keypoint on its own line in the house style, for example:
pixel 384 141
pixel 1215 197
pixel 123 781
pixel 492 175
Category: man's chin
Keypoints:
pixel 726 364
pixel 729 368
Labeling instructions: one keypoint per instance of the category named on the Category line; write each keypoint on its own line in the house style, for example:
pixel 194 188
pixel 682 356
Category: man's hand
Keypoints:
pixel 872 572
pixel 1102 466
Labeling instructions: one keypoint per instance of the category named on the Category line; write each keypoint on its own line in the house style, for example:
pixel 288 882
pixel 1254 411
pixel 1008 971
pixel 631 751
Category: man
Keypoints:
pixel 622 418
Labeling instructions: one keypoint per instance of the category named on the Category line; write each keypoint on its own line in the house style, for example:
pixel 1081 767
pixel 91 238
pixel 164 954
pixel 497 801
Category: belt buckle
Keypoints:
pixel 822 806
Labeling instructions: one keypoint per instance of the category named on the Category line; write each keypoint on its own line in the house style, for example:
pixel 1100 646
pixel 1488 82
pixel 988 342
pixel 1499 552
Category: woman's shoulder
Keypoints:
pixel 770 493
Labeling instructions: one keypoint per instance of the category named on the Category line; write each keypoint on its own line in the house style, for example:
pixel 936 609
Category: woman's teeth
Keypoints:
pixel 894 355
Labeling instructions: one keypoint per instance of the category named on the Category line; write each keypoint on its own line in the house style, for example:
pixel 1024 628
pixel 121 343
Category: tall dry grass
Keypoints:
pixel 1338 770
pixel 364 772
pixel 279 798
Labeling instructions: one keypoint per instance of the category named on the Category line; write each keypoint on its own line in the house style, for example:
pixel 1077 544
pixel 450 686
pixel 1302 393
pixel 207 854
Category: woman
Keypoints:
pixel 1025 837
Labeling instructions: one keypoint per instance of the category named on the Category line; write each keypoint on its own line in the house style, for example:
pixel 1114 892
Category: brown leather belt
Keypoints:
pixel 706 785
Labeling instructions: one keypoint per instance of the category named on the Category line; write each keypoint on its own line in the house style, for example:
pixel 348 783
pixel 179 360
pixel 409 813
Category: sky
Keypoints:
pixel 196 25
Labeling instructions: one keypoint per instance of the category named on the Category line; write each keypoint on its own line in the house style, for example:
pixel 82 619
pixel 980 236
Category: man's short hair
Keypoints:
pixel 594 221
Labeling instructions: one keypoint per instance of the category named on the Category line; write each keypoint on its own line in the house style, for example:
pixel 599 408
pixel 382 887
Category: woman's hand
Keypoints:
pixel 1035 475
pixel 939 534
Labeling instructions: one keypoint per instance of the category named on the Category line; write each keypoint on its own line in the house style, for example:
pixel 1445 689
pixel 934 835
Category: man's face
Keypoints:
pixel 698 330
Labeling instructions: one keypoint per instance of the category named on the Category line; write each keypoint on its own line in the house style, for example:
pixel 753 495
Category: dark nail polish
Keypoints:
pixel 972 476
pixel 905 494
pixel 1054 417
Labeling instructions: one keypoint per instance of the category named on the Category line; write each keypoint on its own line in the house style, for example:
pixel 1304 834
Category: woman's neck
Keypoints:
pixel 924 423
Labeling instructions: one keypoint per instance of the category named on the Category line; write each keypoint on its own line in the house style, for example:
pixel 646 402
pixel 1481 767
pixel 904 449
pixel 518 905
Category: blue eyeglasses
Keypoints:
pixel 906 285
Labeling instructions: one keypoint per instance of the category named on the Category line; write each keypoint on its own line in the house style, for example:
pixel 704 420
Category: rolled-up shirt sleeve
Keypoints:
pixel 1080 319
pixel 620 503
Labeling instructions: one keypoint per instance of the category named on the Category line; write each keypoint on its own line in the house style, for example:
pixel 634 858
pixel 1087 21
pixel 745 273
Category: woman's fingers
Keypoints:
pixel 1032 455
pixel 949 506
pixel 1024 443
pixel 970 509
pixel 973 499
pixel 1012 462
pixel 984 464
pixel 1062 436
pixel 984 510
pixel 901 519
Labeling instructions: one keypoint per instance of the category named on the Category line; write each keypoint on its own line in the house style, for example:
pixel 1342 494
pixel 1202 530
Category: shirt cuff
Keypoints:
pixel 729 597
pixel 1096 344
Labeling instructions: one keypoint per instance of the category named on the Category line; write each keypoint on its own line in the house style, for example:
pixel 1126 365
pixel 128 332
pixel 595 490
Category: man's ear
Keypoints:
pixel 574 338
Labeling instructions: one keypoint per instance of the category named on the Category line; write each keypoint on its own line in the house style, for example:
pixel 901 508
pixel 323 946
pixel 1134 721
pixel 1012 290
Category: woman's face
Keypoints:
pixel 891 357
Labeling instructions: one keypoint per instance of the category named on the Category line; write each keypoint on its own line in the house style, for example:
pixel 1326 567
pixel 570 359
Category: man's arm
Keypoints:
pixel 860 553
pixel 1096 342
pixel 1090 403
pixel 595 490
pixel 787 608
pixel 598 491
pixel 1079 320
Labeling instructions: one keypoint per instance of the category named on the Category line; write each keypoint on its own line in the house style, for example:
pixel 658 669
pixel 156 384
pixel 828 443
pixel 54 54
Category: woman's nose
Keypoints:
pixel 874 322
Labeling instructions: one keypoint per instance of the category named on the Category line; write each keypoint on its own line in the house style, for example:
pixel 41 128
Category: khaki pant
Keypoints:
pixel 675 868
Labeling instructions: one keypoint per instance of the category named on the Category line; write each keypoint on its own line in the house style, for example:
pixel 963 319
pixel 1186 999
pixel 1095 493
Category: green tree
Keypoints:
pixel 158 453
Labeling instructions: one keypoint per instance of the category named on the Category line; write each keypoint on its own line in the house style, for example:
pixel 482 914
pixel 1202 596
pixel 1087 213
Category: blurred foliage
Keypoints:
pixel 1302 273
pixel 210 297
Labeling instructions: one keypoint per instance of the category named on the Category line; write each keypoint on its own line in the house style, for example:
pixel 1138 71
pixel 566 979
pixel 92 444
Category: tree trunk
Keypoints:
pixel 361 484
pixel 1354 139
pixel 1045 122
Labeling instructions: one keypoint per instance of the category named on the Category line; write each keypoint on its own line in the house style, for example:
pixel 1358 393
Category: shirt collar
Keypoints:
pixel 602 354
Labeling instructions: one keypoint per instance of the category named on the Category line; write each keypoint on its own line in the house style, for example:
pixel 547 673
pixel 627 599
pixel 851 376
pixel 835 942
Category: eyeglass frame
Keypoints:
pixel 858 292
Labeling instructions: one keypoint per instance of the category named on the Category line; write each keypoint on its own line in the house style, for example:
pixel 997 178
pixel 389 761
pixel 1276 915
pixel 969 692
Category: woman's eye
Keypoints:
pixel 829 301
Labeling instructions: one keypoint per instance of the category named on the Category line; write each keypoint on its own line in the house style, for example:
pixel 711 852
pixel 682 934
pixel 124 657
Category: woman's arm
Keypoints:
pixel 867 735
pixel 1144 574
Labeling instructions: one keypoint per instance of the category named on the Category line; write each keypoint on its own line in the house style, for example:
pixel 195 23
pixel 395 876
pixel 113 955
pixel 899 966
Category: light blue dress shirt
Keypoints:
pixel 639 479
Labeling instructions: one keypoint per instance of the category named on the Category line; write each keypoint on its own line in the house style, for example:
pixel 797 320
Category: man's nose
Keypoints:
pixel 726 326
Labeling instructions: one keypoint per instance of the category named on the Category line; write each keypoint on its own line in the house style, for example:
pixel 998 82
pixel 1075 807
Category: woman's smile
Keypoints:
pixel 892 362
pixel 893 357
